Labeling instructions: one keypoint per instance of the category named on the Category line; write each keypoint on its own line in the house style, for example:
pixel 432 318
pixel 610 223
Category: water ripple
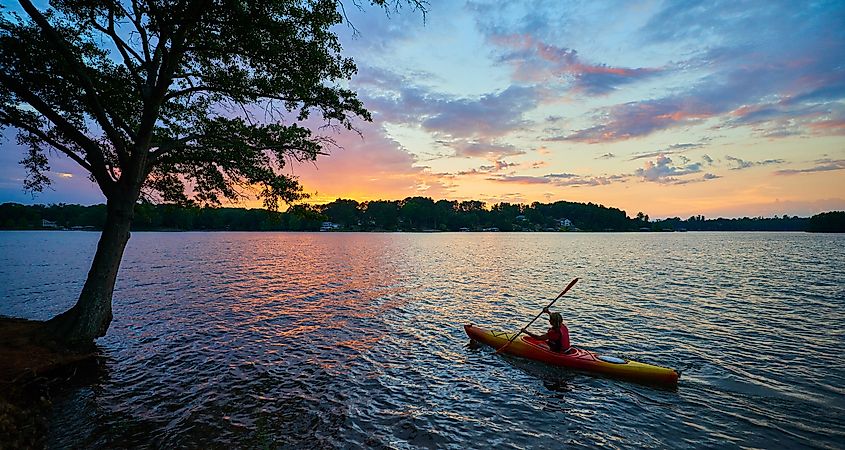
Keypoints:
pixel 292 340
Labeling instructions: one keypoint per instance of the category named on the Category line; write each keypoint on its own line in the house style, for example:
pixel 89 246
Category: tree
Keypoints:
pixel 177 100
pixel 343 212
pixel 417 211
pixel 444 214
pixel 827 222
pixel 381 214
pixel 504 215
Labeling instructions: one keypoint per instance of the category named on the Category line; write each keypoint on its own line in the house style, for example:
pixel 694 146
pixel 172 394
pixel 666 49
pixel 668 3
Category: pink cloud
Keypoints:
pixel 630 120
pixel 481 148
pixel 829 127
pixel 535 61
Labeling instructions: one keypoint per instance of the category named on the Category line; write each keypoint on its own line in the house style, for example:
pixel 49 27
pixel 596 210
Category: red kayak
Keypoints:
pixel 576 358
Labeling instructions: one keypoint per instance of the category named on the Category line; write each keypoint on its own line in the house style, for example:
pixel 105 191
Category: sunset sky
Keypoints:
pixel 670 108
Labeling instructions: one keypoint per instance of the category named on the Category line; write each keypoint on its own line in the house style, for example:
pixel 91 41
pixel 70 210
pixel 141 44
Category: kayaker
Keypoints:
pixel 558 335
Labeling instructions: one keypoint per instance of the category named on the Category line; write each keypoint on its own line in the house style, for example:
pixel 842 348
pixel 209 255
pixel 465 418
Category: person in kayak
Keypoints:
pixel 558 335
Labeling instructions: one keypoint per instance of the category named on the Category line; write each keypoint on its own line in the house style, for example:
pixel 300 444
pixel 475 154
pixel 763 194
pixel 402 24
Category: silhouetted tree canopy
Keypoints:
pixel 212 93
pixel 396 215
pixel 180 101
pixel 829 222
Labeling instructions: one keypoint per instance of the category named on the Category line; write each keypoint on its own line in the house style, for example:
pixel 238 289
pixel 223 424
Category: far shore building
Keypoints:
pixel 329 226
pixel 83 228
pixel 49 224
pixel 564 223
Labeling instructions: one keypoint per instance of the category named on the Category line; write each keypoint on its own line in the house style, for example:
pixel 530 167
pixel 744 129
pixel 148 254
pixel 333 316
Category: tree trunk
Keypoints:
pixel 92 314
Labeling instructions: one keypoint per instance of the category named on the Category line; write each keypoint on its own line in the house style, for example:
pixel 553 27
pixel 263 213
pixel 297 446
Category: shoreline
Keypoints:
pixel 167 230
pixel 29 370
pixel 24 356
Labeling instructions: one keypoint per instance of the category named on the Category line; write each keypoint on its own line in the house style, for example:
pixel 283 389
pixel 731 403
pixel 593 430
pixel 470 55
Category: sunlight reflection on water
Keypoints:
pixel 356 340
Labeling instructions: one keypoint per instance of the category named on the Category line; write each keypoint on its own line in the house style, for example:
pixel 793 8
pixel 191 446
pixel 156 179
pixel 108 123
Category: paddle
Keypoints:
pixel 571 283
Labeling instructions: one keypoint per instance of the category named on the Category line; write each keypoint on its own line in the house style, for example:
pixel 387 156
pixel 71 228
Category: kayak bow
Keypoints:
pixel 576 358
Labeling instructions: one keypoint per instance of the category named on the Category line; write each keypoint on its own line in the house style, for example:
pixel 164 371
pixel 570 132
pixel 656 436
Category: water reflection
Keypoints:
pixel 355 340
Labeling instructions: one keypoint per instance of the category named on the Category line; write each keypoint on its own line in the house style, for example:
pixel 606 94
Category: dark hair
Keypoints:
pixel 556 319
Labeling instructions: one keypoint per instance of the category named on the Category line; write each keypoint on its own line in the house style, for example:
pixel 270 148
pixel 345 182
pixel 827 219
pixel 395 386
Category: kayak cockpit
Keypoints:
pixel 543 345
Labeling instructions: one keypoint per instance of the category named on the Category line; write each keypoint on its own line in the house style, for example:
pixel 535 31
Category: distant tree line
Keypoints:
pixel 827 222
pixel 410 214
pixel 699 223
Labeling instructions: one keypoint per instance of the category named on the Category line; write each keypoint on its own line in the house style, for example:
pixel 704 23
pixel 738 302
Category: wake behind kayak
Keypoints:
pixel 576 358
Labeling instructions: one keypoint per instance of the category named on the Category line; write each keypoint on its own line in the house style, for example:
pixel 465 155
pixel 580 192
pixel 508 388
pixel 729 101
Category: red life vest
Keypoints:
pixel 558 338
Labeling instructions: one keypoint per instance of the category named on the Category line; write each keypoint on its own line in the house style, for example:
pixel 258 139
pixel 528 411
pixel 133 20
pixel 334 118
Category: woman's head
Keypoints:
pixel 555 319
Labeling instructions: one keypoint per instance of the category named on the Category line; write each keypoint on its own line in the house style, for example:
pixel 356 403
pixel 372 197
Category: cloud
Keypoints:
pixel 491 115
pixel 481 149
pixel 776 67
pixel 561 179
pixel 375 166
pixel 739 164
pixel 636 119
pixel 703 178
pixel 789 118
pixel 497 166
pixel 534 61
pixel 720 96
pixel 664 171
pixel 784 25
pixel 672 149
pixel 593 181
pixel 822 165
pixel 520 179
pixel 397 99
pixel 76 188
pixel 829 127
pixel 500 165
pixel 469 127
pixel 606 156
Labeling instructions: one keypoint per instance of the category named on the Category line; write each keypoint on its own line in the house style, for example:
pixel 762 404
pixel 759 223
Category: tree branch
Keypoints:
pixel 206 88
pixel 167 147
pixel 93 152
pixel 122 47
pixel 145 41
pixel 91 92
pixel 127 61
pixel 46 138
pixel 169 62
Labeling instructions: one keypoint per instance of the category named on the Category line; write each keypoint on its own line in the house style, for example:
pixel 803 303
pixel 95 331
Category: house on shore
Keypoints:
pixel 329 226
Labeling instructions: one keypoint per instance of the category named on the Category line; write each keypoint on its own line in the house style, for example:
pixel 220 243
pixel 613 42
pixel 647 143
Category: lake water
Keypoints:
pixel 356 340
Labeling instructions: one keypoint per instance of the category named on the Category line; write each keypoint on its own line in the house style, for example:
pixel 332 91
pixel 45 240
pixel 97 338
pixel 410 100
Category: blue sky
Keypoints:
pixel 670 108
